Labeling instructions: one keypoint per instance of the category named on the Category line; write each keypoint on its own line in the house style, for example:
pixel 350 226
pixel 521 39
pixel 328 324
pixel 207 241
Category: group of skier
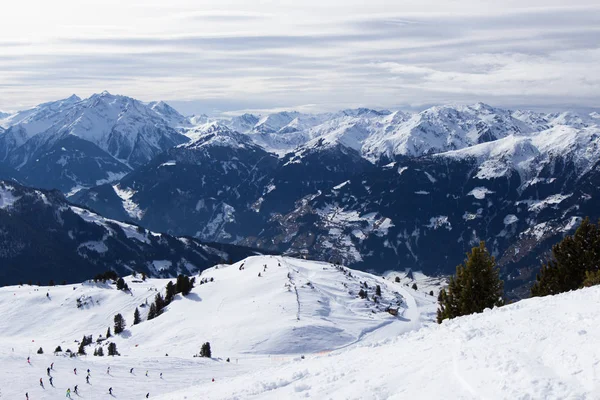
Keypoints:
pixel 75 388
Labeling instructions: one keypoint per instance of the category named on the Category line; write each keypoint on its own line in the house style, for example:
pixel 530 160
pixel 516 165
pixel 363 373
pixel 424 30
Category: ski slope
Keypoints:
pixel 297 331
pixel 542 348
pixel 294 308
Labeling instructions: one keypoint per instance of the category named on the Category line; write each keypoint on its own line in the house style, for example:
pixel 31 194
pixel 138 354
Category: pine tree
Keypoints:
pixel 119 324
pixel 152 312
pixel 572 258
pixel 108 333
pixel 475 287
pixel 170 292
pixel 58 349
pixel 205 350
pixel 184 285
pixel 136 316
pixel 101 352
pixel 159 303
pixel 40 351
pixel 112 349
pixel 414 286
pixel 121 285
pixel 81 350
pixel 378 290
pixel 591 278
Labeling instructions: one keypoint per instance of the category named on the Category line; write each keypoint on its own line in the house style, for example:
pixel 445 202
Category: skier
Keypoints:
pixel 52 366
pixel 68 393
pixel 213 379
pixel 161 375
pixel 75 371
pixel 147 395
pixel 131 371
pixel 87 379
pixel 108 371
pixel 75 390
pixel 51 384
pixel 88 371
pixel 28 362
pixel 41 383
pixel 146 372
pixel 26 396
pixel 110 391
pixel 48 371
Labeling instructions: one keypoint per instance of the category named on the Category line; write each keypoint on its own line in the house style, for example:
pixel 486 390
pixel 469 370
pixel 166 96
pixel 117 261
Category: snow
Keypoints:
pixel 131 231
pixel 510 219
pixel 110 177
pixel 479 192
pixel 7 197
pixel 539 205
pixel 439 222
pixel 341 185
pixel 97 246
pixel 536 348
pixel 131 208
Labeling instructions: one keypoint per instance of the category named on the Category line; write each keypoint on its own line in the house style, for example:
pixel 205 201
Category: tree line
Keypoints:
pixel 575 263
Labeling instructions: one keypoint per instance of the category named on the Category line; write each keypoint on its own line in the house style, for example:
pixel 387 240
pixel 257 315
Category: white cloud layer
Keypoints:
pixel 226 55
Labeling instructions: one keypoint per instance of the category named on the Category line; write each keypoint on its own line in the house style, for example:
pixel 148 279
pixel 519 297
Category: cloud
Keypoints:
pixel 321 54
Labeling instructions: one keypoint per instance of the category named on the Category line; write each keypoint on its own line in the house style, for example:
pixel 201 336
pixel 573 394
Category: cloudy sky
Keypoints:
pixel 222 55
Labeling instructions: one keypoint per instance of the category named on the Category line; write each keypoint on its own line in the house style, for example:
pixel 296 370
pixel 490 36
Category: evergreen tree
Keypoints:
pixel 112 349
pixel 136 316
pixel 152 312
pixel 378 290
pixel 121 285
pixel 119 324
pixel 81 350
pixel 58 349
pixel 591 278
pixel 40 351
pixel 184 285
pixel 108 333
pixel 101 352
pixel 397 280
pixel 414 286
pixel 171 291
pixel 572 258
pixel 51 283
pixel 475 287
pixel 159 303
pixel 205 350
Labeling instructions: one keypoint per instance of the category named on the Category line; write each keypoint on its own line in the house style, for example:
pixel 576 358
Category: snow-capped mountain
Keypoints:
pixel 376 189
pixel 214 178
pixel 43 237
pixel 173 118
pixel 362 186
pixel 113 134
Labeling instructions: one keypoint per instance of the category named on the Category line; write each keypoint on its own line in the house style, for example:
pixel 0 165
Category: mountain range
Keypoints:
pixel 43 237
pixel 375 189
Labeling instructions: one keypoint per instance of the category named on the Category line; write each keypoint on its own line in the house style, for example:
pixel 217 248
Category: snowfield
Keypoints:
pixel 299 330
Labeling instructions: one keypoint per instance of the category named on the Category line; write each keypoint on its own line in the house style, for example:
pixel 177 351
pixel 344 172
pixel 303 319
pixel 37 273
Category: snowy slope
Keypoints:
pixel 295 307
pixel 542 348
